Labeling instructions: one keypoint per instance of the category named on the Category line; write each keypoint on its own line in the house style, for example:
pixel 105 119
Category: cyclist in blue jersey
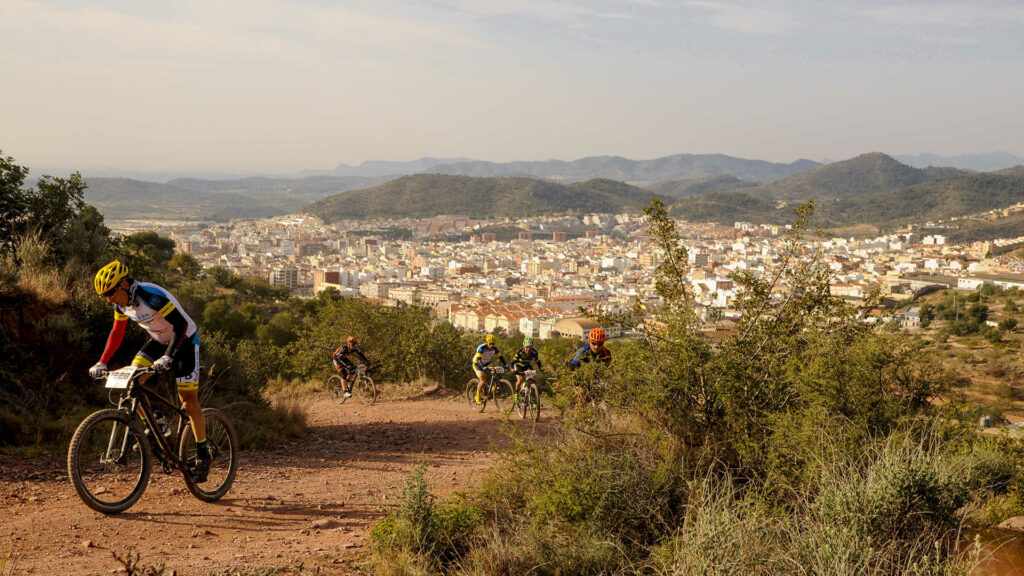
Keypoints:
pixel 173 344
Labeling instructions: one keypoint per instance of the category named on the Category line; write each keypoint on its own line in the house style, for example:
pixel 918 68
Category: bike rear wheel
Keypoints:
pixel 503 396
pixel 471 396
pixel 223 446
pixel 365 390
pixel 336 388
pixel 107 474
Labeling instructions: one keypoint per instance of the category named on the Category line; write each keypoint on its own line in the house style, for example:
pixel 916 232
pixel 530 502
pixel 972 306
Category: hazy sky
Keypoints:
pixel 274 86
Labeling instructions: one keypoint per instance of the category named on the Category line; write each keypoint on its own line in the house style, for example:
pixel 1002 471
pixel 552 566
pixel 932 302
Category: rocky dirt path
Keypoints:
pixel 302 507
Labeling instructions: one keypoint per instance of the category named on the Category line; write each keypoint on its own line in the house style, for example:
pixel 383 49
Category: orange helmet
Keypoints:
pixel 597 336
pixel 350 340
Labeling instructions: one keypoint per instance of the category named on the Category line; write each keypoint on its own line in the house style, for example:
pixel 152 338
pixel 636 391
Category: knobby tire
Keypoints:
pixel 223 445
pixel 90 468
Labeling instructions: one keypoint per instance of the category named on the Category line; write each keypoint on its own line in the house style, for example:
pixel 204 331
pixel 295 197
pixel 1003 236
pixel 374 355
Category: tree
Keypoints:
pixel 12 201
pixel 156 248
pixel 185 265
pixel 49 208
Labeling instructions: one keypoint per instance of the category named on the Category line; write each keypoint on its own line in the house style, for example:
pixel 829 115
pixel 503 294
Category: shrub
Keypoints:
pixel 425 532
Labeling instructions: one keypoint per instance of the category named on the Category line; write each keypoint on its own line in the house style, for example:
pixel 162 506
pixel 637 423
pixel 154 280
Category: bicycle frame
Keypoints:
pixel 139 397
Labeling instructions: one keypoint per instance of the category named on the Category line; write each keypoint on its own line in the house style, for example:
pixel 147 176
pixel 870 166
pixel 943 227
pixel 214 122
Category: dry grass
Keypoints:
pixel 286 389
pixel 8 561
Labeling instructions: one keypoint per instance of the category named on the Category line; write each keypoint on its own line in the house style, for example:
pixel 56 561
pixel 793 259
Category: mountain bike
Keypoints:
pixel 497 390
pixel 110 458
pixel 363 387
pixel 527 398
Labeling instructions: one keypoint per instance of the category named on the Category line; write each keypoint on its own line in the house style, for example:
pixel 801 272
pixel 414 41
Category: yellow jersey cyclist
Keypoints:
pixel 485 355
pixel 523 360
pixel 173 344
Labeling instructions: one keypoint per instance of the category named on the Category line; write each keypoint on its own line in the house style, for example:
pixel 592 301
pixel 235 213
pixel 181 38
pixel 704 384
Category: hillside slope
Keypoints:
pixel 425 195
pixel 864 174
pixel 939 199
pixel 676 167
pixel 694 187
pixel 198 199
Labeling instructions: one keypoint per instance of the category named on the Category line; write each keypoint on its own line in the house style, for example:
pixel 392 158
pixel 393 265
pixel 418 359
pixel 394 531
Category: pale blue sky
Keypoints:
pixel 272 86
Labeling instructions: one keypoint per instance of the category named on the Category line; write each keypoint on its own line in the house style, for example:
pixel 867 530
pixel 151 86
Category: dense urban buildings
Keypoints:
pixel 534 275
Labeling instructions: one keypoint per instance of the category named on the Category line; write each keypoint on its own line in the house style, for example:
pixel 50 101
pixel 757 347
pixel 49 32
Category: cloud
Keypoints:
pixel 947 15
pixel 566 13
pixel 232 27
pixel 746 19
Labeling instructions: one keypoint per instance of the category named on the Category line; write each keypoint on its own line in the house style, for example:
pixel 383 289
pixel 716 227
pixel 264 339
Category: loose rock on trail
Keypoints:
pixel 308 503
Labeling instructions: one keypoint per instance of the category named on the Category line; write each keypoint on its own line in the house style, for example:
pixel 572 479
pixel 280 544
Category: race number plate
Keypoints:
pixel 499 369
pixel 119 378
pixel 361 368
pixel 531 373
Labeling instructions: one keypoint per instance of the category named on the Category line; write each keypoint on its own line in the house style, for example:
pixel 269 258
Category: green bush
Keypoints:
pixel 434 534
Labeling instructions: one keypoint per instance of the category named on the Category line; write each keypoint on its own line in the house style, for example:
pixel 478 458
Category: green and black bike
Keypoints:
pixel 111 455
pixel 527 398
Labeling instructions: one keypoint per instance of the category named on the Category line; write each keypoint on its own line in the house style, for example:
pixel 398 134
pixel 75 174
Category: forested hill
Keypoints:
pixel 696 186
pixel 676 167
pixel 938 199
pixel 198 199
pixel 423 195
pixel 864 174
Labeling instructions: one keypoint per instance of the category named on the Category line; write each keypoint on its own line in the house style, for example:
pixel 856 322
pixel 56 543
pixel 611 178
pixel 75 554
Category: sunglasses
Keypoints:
pixel 110 293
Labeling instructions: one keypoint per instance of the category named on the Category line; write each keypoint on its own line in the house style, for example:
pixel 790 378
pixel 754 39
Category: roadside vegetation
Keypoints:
pixel 807 442
pixel 262 349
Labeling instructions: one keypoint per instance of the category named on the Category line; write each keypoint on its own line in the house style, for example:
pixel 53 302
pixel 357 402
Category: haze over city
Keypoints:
pixel 276 87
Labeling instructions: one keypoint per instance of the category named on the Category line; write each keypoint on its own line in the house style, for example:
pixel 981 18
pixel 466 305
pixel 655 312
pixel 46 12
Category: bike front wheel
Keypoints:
pixel 471 396
pixel 503 396
pixel 109 462
pixel 519 402
pixel 336 388
pixel 365 390
pixel 532 402
pixel 223 446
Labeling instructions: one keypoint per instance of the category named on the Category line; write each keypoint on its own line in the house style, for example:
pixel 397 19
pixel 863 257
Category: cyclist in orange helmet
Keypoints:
pixel 342 362
pixel 593 350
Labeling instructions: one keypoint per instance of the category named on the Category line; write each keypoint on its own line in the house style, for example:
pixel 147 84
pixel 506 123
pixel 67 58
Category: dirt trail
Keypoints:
pixel 311 502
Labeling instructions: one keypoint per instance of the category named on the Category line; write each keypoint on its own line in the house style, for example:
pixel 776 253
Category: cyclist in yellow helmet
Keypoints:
pixel 485 353
pixel 174 343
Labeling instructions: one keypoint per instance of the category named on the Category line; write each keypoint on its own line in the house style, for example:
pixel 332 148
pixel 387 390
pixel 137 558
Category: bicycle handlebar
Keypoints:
pixel 142 370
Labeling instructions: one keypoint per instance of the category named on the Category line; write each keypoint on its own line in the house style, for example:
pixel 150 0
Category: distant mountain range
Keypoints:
pixel 195 199
pixel 869 189
pixel 683 188
pixel 974 162
pixel 423 195
pixel 677 167
pixel 378 168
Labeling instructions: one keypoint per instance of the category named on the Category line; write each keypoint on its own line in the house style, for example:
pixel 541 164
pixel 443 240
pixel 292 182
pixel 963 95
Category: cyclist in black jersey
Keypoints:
pixel 524 359
pixel 342 362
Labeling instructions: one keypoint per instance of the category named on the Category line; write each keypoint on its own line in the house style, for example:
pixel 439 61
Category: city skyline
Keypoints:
pixel 272 87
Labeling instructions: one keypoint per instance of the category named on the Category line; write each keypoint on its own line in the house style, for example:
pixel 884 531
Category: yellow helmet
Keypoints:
pixel 109 277
pixel 490 339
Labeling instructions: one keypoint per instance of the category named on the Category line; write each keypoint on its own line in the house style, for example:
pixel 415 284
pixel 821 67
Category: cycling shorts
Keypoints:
pixel 185 366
